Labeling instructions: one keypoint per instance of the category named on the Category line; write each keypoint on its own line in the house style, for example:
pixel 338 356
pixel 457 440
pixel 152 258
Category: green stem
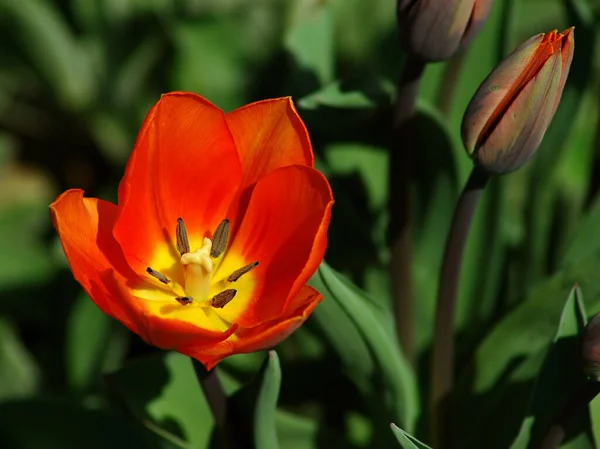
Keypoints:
pixel 401 148
pixel 557 430
pixel 442 371
pixel 217 401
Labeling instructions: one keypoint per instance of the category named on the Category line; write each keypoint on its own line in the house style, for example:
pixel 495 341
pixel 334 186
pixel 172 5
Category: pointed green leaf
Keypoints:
pixel 561 377
pixel 265 435
pixel 502 373
pixel 407 441
pixel 375 326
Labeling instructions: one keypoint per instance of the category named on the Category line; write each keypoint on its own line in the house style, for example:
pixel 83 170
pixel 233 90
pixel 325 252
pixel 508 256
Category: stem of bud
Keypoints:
pixel 557 430
pixel 401 148
pixel 217 401
pixel 442 368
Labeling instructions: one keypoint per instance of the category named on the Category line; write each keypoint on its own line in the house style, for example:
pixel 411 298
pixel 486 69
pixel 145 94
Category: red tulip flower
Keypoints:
pixel 509 114
pixel 220 222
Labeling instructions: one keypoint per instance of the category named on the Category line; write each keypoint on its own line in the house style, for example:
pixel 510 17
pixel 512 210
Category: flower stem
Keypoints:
pixel 401 148
pixel 217 401
pixel 442 371
pixel 557 430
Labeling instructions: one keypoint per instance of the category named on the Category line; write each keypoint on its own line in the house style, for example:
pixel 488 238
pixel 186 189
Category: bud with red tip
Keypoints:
pixel 590 348
pixel 434 30
pixel 509 114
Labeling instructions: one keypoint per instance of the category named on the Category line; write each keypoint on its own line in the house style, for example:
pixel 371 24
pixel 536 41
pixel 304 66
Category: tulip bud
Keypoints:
pixel 590 348
pixel 434 30
pixel 509 114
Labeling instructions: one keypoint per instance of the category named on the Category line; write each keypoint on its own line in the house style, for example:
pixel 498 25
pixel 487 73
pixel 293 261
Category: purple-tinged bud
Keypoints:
pixel 509 114
pixel 590 348
pixel 434 30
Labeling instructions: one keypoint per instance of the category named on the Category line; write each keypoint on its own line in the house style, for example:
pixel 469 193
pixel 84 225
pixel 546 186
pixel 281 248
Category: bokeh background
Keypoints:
pixel 76 80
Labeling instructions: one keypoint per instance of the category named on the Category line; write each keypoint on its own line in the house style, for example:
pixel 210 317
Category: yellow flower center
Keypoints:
pixel 200 279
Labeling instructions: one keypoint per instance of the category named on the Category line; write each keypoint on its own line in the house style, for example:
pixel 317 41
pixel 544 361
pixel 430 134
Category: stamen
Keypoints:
pixel 242 271
pixel 220 300
pixel 183 243
pixel 158 275
pixel 219 240
pixel 184 300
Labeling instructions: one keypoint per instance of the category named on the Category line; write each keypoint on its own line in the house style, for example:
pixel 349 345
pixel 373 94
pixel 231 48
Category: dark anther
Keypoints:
pixel 219 240
pixel 158 275
pixel 220 300
pixel 183 244
pixel 184 300
pixel 242 271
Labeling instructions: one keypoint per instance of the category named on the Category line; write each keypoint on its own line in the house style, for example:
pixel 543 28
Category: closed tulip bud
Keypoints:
pixel 590 348
pixel 434 30
pixel 507 118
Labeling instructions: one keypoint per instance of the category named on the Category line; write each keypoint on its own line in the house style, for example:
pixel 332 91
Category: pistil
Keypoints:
pixel 198 267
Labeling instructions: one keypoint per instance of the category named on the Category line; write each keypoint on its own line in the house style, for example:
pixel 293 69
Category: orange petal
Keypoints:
pixel 264 336
pixel 184 164
pixel 285 229
pixel 84 226
pixel 268 134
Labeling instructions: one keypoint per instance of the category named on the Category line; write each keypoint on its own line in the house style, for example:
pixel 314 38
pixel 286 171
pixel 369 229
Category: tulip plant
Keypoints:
pixel 300 225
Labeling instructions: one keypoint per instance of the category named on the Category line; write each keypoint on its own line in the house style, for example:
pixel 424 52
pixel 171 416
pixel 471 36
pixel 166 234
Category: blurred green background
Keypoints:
pixel 76 80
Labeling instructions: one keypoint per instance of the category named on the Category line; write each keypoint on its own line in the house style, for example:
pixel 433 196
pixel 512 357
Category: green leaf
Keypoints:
pixel 362 27
pixel 350 94
pixel 407 441
pixel 19 375
pixel 208 58
pixel 163 392
pixel 310 42
pixel 358 175
pixel 561 378
pixel 583 240
pixel 25 258
pixel 87 339
pixel 340 331
pixel 297 432
pixel 502 372
pixel 260 395
pixel 265 435
pixel 53 50
pixel 51 424
pixel 376 328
